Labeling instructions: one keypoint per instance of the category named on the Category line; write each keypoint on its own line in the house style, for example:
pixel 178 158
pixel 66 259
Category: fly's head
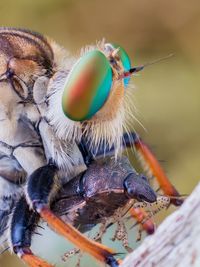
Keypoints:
pixel 96 95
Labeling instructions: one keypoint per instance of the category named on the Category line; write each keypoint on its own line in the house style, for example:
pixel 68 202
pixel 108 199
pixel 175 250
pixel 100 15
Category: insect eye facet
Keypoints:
pixel 125 60
pixel 87 87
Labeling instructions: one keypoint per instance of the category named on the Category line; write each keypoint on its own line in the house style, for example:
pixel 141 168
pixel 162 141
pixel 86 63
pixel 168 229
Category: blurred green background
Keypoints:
pixel 167 94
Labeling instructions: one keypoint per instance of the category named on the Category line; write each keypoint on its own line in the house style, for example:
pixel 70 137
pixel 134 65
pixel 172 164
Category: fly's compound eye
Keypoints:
pixel 87 87
pixel 125 59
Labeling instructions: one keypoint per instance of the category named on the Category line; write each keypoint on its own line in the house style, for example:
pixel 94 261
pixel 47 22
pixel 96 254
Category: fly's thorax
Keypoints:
pixel 9 113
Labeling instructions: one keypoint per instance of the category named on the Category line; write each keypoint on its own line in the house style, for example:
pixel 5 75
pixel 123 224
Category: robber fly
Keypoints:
pixel 57 115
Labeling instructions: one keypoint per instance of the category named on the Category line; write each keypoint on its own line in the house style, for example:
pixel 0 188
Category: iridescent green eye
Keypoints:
pixel 126 62
pixel 87 87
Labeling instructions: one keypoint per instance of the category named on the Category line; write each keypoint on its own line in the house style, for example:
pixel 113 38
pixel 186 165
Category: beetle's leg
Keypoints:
pixel 122 235
pixel 70 253
pixel 22 226
pixel 102 230
pixel 40 188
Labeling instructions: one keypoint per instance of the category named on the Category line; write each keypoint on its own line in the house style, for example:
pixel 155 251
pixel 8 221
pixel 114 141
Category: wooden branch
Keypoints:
pixel 176 241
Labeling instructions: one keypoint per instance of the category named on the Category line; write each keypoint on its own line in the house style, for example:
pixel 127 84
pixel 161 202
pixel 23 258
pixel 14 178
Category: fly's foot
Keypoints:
pixel 112 262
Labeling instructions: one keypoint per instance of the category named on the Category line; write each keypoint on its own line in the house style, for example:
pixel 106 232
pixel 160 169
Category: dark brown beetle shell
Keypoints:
pixel 104 193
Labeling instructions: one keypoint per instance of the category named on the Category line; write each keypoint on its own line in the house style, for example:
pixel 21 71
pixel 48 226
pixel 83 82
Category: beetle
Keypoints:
pixel 90 199
pixel 57 114
pixel 84 200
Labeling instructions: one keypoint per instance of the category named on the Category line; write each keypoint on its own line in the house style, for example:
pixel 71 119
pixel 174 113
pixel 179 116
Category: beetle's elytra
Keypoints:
pixel 58 114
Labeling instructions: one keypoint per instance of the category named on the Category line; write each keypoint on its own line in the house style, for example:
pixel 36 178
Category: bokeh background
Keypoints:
pixel 167 94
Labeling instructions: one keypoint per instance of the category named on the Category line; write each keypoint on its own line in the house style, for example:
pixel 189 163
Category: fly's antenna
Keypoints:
pixel 139 68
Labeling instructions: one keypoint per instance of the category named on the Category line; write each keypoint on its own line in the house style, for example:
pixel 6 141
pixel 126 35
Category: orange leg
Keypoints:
pixel 42 183
pixel 34 261
pixel 97 250
pixel 148 160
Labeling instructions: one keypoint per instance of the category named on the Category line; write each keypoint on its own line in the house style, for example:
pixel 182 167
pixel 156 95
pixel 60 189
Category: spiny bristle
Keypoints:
pixel 131 113
pixel 130 107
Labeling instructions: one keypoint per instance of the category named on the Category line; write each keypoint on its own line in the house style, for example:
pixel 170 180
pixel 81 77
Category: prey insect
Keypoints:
pixel 91 199
pixel 57 115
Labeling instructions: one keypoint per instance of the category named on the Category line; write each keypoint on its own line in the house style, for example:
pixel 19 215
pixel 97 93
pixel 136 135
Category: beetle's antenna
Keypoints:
pixel 139 68
pixel 182 197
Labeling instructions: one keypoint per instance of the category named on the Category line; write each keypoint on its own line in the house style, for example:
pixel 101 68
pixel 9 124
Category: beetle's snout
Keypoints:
pixel 137 187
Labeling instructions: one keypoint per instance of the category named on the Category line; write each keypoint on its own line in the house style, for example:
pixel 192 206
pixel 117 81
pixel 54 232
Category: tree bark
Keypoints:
pixel 176 242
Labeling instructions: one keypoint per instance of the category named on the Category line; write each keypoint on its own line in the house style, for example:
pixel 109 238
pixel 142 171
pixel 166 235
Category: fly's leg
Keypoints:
pixel 148 162
pixel 41 187
pixel 12 176
pixel 22 227
pixel 97 238
pixel 103 227
pixel 152 166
